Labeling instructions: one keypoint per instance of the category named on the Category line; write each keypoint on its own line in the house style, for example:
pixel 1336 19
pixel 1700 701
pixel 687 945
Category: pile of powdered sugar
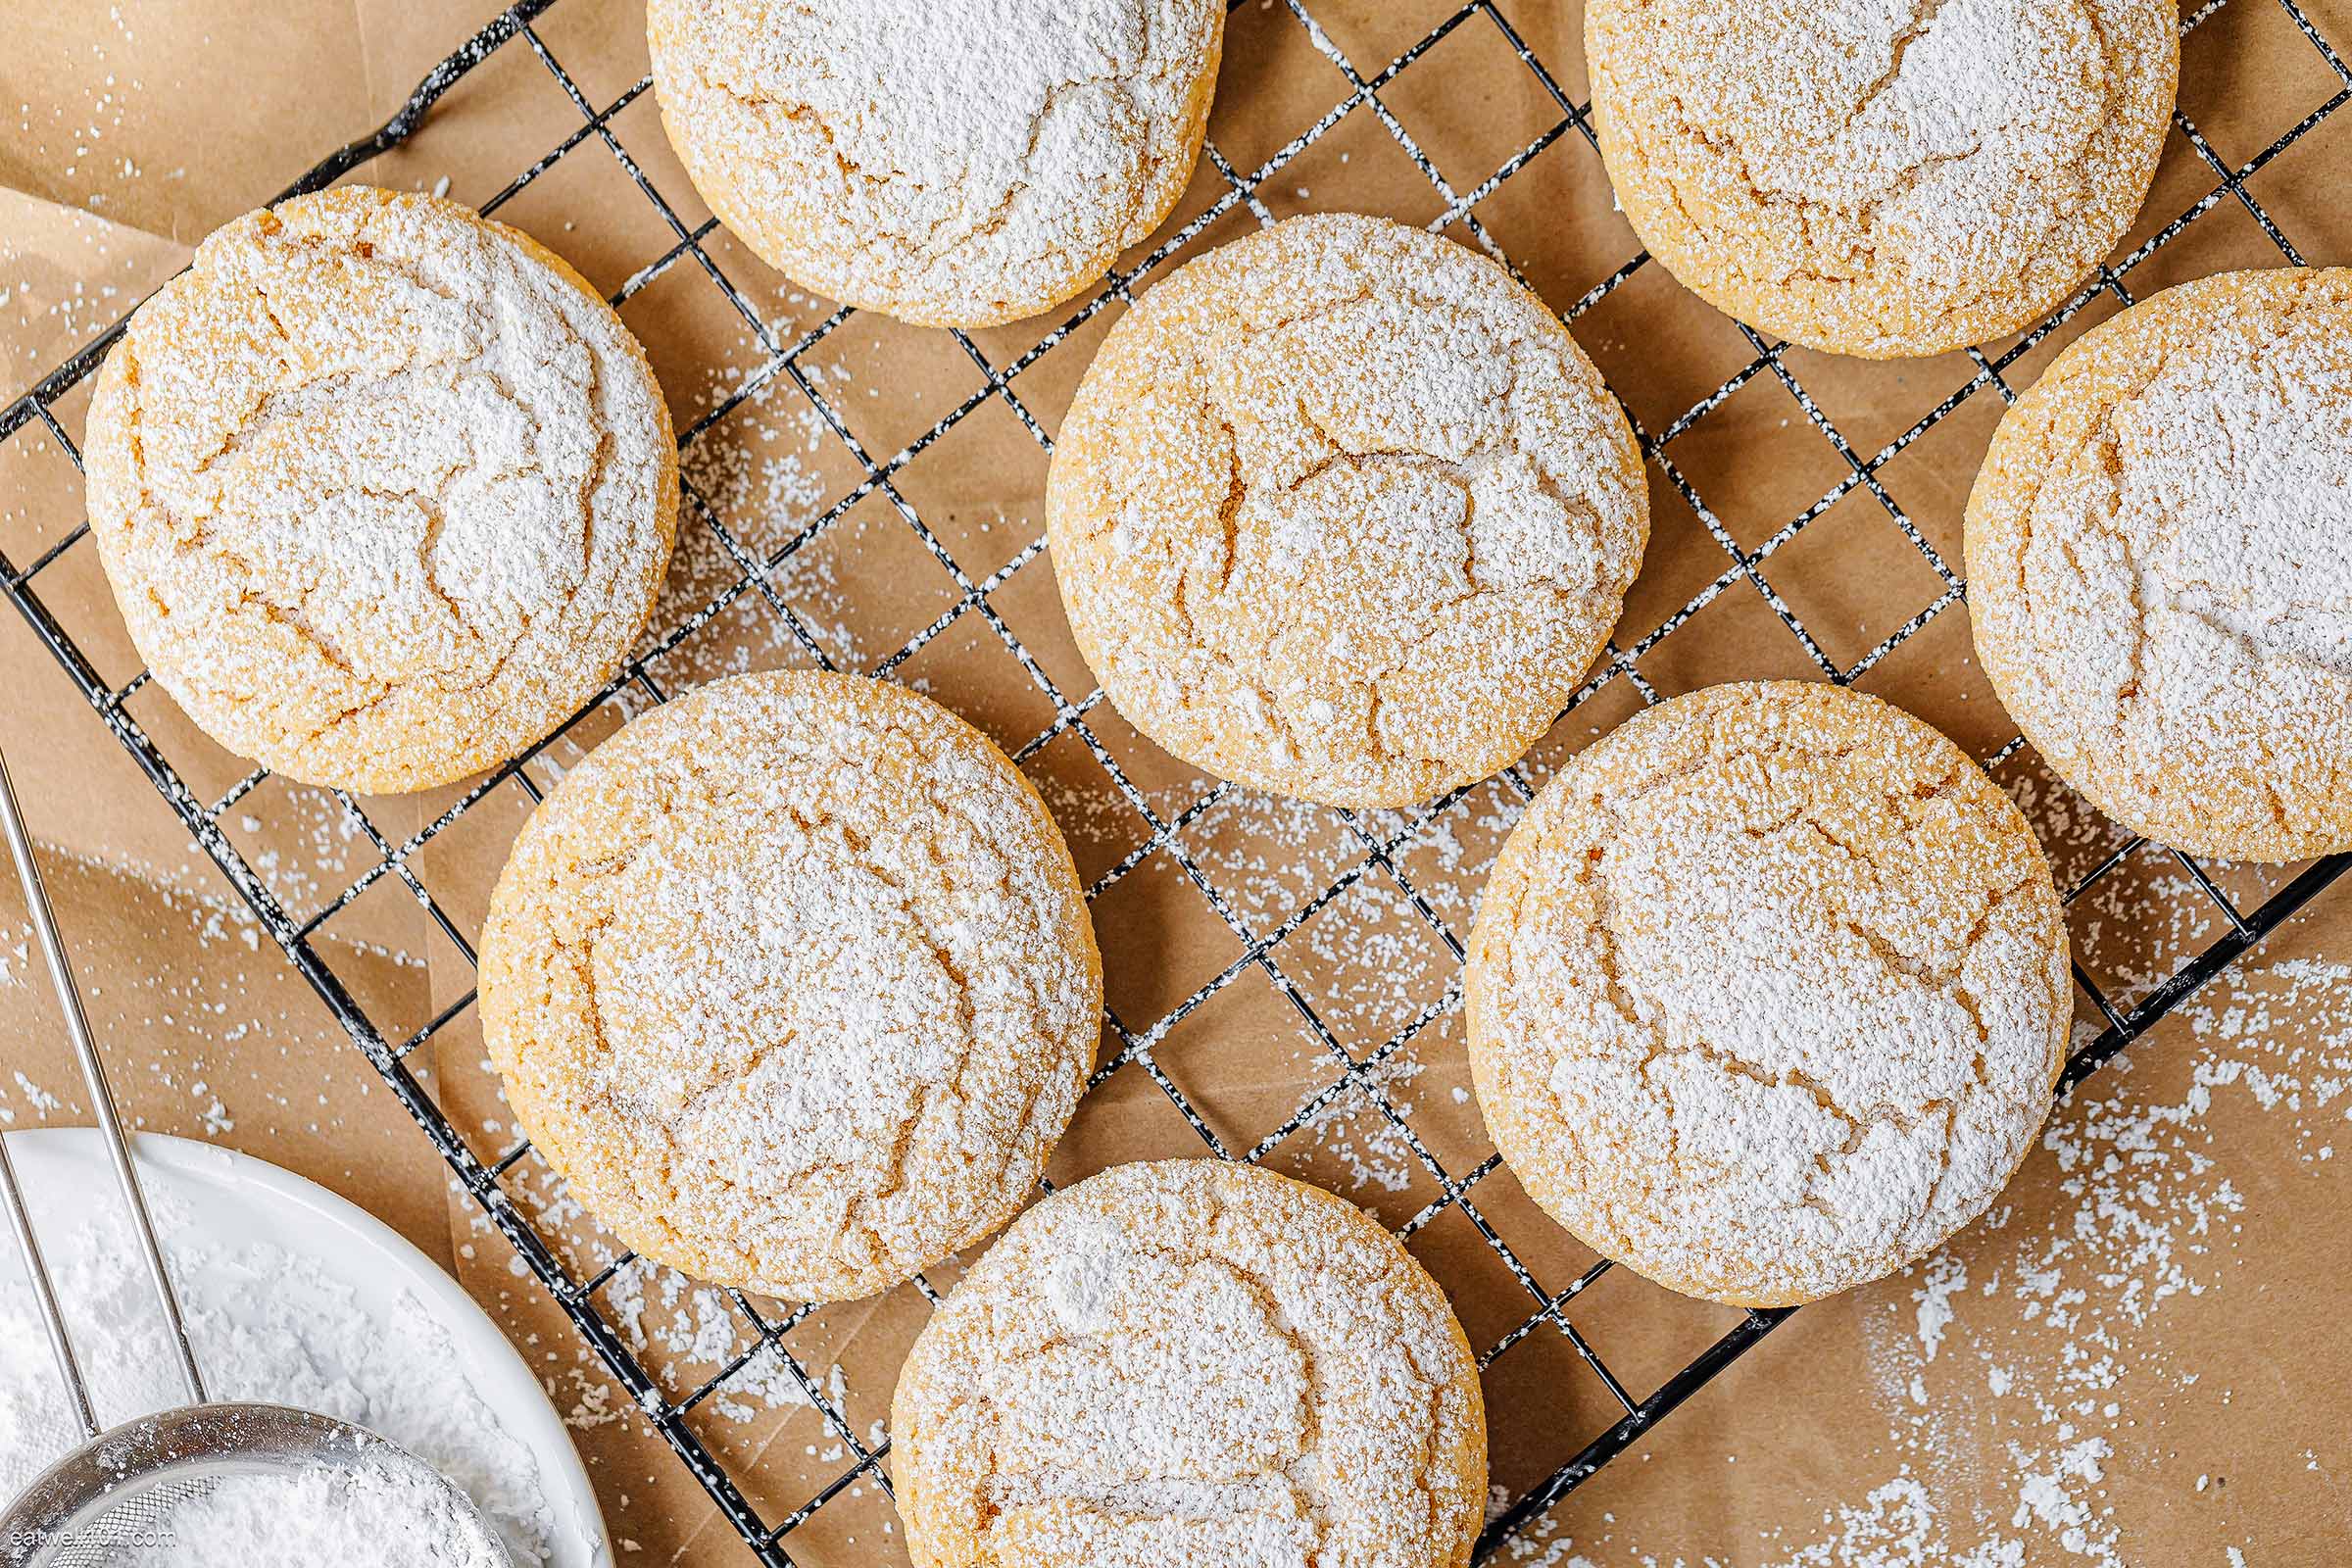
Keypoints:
pixel 362 1515
pixel 267 1325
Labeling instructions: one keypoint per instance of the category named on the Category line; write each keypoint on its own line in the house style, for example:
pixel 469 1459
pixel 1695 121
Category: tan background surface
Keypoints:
pixel 2135 1360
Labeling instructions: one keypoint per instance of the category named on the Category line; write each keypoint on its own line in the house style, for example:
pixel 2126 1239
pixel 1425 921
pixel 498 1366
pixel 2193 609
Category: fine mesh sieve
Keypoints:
pixel 117 1495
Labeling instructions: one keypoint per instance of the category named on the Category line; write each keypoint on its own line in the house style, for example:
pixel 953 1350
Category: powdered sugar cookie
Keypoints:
pixel 1768 993
pixel 385 490
pixel 1191 1362
pixel 793 981
pixel 956 165
pixel 1877 176
pixel 2160 564
pixel 1341 512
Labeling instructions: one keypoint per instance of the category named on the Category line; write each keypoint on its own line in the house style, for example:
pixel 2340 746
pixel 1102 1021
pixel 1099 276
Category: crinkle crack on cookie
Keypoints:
pixel 1192 1363
pixel 2160 564
pixel 793 981
pixel 1341 512
pixel 1882 178
pixel 1769 993
pixel 385 491
pixel 953 165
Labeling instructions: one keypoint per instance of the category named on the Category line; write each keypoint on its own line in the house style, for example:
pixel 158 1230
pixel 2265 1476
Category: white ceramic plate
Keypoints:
pixel 236 1202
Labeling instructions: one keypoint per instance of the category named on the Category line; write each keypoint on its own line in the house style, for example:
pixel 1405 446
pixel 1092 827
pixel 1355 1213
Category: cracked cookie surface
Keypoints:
pixel 385 490
pixel 951 164
pixel 1882 178
pixel 1341 512
pixel 793 981
pixel 1192 1361
pixel 1768 994
pixel 2160 564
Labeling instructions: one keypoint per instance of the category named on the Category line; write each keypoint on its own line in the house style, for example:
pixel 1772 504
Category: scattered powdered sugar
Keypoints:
pixel 2070 1354
pixel 1369 963
pixel 365 1514
pixel 1324 482
pixel 2162 565
pixel 220 1024
pixel 42 1102
pixel 80 145
pixel 1944 1276
pixel 690 1331
pixel 959 165
pixel 267 1325
pixel 2025 1372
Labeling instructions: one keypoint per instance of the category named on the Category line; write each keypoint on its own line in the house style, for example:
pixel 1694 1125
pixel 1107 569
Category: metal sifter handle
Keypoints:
pixel 102 1103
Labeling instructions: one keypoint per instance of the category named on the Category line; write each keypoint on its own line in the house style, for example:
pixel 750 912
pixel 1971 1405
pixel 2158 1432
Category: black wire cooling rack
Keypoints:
pixel 1377 851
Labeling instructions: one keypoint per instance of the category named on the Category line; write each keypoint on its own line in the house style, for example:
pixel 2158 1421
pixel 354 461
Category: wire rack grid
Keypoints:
pixel 1379 845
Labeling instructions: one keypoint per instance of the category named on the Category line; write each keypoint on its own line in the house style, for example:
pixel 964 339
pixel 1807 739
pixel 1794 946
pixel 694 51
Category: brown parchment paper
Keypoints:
pixel 2135 1359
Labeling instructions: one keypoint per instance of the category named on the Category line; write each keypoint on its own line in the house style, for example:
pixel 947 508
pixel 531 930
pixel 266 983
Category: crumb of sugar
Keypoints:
pixel 40 1099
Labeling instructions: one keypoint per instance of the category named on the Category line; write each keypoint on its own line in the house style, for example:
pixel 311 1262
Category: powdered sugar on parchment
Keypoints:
pixel 2026 1373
